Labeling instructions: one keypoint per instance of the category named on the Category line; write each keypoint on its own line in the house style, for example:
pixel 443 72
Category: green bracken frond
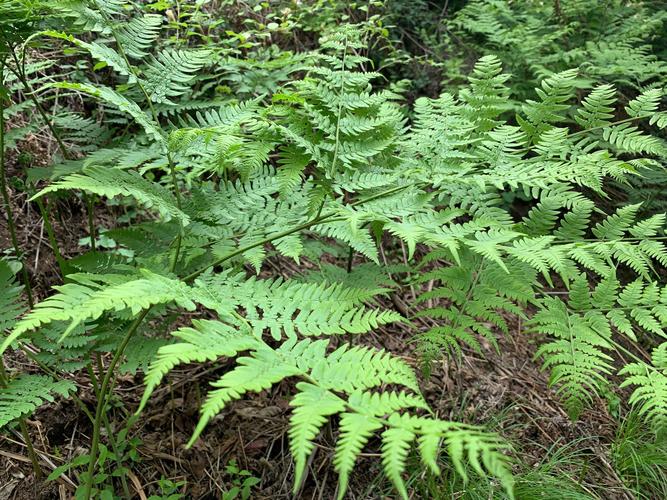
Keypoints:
pixel 111 182
pixel 88 296
pixel 650 394
pixel 332 384
pixel 24 394
pixel 10 297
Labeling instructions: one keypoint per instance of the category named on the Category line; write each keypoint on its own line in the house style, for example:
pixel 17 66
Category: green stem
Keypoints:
pixel 102 402
pixel 34 459
pixel 119 458
pixel 149 102
pixel 107 423
pixel 350 257
pixel 62 265
pixel 93 379
pixel 20 74
pixel 6 199
pixel 90 203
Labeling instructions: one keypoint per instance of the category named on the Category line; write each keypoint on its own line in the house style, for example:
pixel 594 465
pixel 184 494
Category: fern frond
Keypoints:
pixel 486 98
pixel 475 291
pixel 355 431
pixel 207 340
pixel 630 139
pixel 24 394
pixel 396 444
pixel 139 34
pixel 120 102
pixel 111 182
pixel 90 296
pixel 597 107
pixel 290 307
pixel 11 306
pixel 312 405
pixel 167 75
pixel 577 357
pixel 327 378
pixel 650 395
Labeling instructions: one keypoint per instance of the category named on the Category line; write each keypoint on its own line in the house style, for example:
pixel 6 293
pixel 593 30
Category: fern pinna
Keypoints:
pixel 330 163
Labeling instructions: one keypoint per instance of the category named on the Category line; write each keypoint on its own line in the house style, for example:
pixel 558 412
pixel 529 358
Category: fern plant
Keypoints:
pixel 609 41
pixel 477 293
pixel 342 383
pixel 651 392
pixel 475 160
pixel 228 188
pixel 237 218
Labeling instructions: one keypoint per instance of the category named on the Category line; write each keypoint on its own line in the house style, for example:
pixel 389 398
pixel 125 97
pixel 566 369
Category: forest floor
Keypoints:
pixel 503 389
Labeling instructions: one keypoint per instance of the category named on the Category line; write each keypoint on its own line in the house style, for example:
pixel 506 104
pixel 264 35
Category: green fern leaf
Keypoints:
pixel 169 74
pixel 650 394
pixel 111 182
pixel 10 297
pixel 396 441
pixel 90 296
pixel 115 99
pixel 355 431
pixel 24 394
pixel 312 405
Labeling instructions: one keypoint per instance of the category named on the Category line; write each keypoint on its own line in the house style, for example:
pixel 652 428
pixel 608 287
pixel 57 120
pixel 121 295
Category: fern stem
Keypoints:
pixel 90 203
pixel 51 235
pixel 20 74
pixel 170 158
pixel 618 122
pixel 102 402
pixel 107 425
pixel 119 457
pixel 34 459
pixel 6 199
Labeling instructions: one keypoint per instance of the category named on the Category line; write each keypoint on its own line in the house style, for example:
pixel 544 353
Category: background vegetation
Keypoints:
pixel 324 249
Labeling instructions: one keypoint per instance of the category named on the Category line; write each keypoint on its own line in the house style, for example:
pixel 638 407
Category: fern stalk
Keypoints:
pixel 51 235
pixel 91 222
pixel 170 159
pixel 19 72
pixel 107 425
pixel 102 402
pixel 6 200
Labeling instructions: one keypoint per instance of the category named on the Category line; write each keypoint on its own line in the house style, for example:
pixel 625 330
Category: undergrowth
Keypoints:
pixel 229 152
